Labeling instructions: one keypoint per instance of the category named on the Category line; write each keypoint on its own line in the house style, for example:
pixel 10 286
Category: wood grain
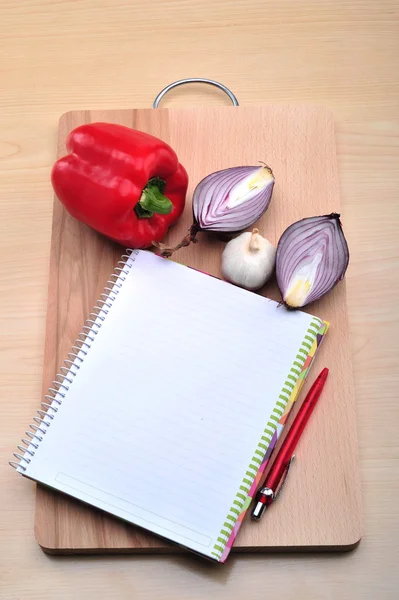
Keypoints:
pixel 72 55
pixel 298 142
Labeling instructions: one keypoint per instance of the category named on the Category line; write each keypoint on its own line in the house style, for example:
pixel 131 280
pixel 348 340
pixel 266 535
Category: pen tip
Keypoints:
pixel 323 375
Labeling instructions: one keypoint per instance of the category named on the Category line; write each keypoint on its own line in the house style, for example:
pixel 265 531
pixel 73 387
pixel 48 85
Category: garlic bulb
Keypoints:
pixel 248 260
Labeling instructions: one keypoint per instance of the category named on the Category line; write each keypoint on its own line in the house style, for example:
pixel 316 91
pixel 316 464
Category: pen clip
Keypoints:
pixel 283 479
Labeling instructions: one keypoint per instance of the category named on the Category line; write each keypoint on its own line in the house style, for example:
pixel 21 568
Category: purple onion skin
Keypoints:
pixel 211 197
pixel 312 257
pixel 219 208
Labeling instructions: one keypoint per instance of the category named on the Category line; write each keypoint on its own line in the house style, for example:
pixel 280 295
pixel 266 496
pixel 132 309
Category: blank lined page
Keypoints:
pixel 168 407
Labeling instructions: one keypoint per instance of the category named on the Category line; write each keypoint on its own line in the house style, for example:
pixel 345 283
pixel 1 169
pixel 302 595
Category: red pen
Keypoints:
pixel 277 474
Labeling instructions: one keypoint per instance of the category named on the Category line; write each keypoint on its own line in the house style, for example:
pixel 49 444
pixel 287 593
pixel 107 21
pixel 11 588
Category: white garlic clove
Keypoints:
pixel 248 260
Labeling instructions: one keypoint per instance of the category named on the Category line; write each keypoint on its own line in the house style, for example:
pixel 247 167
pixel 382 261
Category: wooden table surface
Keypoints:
pixel 61 55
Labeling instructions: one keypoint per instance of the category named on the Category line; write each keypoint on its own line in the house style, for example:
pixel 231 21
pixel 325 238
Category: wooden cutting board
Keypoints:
pixel 320 507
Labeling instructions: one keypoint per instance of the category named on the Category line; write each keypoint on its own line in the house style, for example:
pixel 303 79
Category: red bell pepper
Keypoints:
pixel 124 183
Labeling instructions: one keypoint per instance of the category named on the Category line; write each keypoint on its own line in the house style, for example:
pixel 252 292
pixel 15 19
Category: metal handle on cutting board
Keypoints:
pixel 195 80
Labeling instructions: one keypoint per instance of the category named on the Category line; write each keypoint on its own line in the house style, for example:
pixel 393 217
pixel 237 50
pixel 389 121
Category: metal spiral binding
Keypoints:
pixel 67 374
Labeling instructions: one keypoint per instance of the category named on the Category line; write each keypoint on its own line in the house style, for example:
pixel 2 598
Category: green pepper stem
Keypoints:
pixel 153 200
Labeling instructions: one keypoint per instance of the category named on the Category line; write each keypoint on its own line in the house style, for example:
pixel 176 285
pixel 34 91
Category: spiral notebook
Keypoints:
pixel 171 402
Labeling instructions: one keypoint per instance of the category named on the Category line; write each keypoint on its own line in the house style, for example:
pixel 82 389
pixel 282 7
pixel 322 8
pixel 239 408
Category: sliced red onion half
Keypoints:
pixel 232 199
pixel 228 201
pixel 312 257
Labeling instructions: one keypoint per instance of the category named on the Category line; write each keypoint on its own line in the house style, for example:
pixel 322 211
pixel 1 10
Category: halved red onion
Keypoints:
pixel 312 257
pixel 232 199
pixel 228 201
